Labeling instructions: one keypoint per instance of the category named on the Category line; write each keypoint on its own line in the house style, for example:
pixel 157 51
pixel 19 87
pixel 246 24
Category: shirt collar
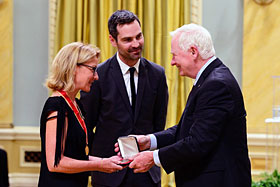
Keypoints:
pixel 203 68
pixel 124 67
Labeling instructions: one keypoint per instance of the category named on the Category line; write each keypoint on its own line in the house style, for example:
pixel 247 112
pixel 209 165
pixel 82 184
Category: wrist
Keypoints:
pixel 152 157
pixel 149 142
pixel 101 163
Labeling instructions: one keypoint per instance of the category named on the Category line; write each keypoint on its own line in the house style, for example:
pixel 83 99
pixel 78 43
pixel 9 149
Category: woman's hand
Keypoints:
pixel 110 165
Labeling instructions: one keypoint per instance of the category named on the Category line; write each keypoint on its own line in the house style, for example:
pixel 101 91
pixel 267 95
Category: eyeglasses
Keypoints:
pixel 91 68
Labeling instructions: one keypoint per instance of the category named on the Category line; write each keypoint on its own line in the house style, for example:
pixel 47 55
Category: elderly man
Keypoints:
pixel 208 147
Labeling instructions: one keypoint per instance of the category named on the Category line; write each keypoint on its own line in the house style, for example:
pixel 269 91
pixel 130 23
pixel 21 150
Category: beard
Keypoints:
pixel 132 54
pixel 135 53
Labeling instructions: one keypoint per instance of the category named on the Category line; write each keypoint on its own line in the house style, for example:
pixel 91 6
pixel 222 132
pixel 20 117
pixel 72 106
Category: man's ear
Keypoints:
pixel 113 41
pixel 194 51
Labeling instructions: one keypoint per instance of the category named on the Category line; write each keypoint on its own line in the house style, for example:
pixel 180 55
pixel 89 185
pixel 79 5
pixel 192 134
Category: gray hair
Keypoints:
pixel 195 35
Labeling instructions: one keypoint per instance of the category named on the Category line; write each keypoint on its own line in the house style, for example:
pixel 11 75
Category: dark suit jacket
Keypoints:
pixel 108 108
pixel 209 145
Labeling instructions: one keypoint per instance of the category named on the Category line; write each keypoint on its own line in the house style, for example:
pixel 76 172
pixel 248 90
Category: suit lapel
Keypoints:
pixel 190 97
pixel 201 79
pixel 141 87
pixel 118 78
pixel 206 72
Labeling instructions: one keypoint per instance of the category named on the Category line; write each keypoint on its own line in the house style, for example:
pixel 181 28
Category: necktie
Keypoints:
pixel 132 86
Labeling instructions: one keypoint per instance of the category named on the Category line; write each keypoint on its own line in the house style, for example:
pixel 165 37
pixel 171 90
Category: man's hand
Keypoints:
pixel 142 162
pixel 143 141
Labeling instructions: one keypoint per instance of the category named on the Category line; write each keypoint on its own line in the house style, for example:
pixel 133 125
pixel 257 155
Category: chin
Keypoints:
pixel 136 56
pixel 86 89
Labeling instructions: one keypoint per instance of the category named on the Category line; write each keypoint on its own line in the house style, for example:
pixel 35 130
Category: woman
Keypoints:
pixel 65 138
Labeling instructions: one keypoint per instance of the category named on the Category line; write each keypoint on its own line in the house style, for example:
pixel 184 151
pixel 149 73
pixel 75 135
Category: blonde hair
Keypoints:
pixel 61 75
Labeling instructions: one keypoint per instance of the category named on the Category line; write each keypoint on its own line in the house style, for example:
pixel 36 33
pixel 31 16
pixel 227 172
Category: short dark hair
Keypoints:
pixel 120 17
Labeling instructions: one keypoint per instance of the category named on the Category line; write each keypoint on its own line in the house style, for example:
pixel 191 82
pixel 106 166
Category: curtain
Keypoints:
pixel 6 64
pixel 261 38
pixel 86 21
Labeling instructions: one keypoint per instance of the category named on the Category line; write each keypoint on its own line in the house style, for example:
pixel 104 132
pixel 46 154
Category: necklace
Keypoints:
pixel 78 115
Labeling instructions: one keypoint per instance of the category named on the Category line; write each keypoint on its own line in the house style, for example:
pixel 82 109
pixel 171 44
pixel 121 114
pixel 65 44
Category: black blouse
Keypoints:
pixel 75 144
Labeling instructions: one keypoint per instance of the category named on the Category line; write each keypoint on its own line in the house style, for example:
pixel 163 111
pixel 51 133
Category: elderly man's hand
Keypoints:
pixel 142 162
pixel 143 141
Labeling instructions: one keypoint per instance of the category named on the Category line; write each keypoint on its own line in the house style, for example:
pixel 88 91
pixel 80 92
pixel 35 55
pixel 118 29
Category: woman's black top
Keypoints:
pixel 75 144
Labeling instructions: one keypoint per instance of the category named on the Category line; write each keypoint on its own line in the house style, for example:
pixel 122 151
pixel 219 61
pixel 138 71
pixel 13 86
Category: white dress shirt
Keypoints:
pixel 126 76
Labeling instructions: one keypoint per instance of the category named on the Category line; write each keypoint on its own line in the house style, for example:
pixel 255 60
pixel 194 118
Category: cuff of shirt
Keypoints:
pixel 156 158
pixel 153 142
